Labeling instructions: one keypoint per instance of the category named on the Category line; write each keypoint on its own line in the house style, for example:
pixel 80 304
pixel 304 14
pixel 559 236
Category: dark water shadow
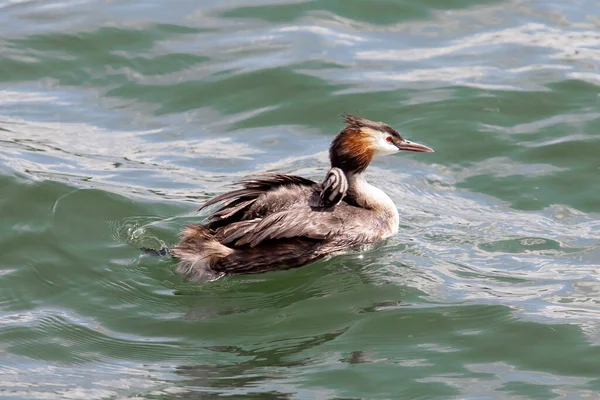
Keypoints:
pixel 271 362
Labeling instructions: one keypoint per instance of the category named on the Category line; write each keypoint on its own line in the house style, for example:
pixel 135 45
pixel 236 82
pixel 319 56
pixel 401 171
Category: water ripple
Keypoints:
pixel 119 119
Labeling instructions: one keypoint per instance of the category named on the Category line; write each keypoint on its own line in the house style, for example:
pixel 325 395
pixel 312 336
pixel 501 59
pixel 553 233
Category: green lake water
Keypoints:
pixel 118 119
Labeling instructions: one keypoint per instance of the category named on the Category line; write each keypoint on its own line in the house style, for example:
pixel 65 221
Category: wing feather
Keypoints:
pixel 229 210
pixel 295 222
pixel 232 232
pixel 252 188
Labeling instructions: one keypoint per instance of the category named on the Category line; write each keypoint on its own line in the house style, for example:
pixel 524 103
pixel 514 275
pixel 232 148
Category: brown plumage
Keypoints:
pixel 278 221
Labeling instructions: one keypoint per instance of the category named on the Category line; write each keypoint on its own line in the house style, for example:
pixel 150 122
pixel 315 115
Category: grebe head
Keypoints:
pixel 355 146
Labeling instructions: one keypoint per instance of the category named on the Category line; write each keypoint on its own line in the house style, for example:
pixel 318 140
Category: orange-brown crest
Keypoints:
pixel 360 144
pixel 352 150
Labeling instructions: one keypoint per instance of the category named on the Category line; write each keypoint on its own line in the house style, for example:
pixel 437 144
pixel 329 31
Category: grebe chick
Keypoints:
pixel 280 221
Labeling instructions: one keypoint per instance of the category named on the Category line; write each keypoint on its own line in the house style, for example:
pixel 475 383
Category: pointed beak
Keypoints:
pixel 412 146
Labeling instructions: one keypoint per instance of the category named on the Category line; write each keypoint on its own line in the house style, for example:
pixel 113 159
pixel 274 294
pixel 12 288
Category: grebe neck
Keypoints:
pixel 365 195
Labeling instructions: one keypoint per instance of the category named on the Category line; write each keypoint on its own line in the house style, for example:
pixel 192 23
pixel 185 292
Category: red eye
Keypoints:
pixel 388 139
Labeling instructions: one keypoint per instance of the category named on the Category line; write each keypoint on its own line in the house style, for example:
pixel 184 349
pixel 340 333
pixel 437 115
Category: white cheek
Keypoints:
pixel 384 148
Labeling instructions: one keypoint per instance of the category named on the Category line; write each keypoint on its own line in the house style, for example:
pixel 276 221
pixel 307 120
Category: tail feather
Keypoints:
pixel 198 252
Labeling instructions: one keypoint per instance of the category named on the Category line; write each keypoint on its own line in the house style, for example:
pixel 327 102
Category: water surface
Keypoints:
pixel 118 119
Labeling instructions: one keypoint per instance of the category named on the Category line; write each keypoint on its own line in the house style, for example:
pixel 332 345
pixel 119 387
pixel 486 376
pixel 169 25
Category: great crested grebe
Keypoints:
pixel 279 221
